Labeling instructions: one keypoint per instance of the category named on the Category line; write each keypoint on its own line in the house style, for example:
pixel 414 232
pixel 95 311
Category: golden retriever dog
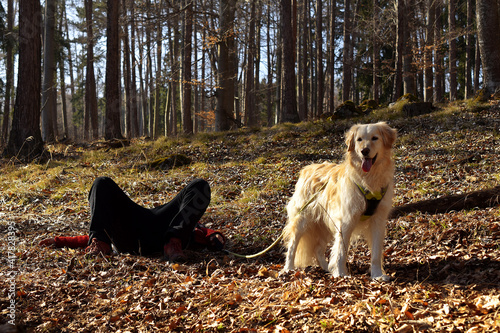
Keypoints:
pixel 339 202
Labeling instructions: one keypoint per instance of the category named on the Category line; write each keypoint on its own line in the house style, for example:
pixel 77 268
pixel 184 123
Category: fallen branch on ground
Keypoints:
pixel 477 199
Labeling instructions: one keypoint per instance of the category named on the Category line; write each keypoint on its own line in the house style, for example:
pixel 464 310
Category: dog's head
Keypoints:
pixel 369 142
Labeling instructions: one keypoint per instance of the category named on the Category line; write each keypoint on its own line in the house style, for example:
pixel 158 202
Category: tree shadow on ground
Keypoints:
pixel 474 273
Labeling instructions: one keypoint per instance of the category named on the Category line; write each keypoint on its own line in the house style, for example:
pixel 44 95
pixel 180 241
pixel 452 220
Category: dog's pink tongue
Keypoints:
pixel 367 164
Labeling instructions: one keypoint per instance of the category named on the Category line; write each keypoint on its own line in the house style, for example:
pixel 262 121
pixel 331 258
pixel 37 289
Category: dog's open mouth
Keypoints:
pixel 367 163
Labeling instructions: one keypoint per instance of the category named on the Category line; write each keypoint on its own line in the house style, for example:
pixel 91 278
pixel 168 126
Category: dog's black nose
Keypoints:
pixel 365 151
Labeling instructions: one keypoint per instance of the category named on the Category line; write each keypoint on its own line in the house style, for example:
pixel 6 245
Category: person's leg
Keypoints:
pixel 179 217
pixel 115 217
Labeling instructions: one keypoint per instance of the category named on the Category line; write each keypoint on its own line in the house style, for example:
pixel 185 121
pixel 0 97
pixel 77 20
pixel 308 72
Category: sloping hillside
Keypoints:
pixel 445 267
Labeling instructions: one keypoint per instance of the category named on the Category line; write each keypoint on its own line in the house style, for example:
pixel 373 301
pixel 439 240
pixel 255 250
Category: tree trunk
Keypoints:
pixel 400 45
pixel 203 81
pixel 319 57
pixel 304 59
pixel 257 49
pixel 142 89
pixel 25 140
pixel 469 93
pixel 289 93
pixel 148 105
pixel 408 67
pixel 477 66
pixel 226 69
pixel 62 75
pixel 112 128
pixel 438 55
pixel 279 78
pixel 269 70
pixel 310 68
pixel 478 199
pixel 133 94
pixel 49 69
pixel 376 65
pixel 196 85
pixel 159 37
pixel 331 104
pixel 428 70
pixel 63 98
pixel 71 76
pixel 176 86
pixel 127 75
pixel 453 49
pixel 187 120
pixel 90 83
pixel 251 118
pixel 347 57
pixel 9 83
pixel 488 28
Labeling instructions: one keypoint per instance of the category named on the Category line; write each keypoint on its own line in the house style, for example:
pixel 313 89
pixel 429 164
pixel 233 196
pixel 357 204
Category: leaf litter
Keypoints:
pixel 445 267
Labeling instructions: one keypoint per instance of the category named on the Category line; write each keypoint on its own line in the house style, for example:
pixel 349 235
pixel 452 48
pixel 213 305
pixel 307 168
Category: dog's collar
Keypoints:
pixel 372 201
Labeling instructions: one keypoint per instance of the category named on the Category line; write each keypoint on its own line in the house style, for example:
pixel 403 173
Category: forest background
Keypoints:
pixel 120 69
pixel 176 80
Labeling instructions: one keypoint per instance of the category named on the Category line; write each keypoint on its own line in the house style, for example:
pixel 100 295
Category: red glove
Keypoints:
pixel 213 239
pixel 72 242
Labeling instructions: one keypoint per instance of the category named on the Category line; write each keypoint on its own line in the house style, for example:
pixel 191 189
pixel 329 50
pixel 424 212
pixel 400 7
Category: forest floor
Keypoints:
pixel 445 268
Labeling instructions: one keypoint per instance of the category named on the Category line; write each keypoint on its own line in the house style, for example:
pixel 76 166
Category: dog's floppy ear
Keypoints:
pixel 350 137
pixel 389 134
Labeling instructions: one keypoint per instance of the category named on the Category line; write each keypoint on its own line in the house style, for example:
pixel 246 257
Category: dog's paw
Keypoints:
pixel 382 278
pixel 340 274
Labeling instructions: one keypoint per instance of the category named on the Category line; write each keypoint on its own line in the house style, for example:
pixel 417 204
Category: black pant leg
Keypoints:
pixel 115 218
pixel 181 215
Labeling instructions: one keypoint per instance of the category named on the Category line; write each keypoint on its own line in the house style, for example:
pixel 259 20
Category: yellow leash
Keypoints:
pixel 251 256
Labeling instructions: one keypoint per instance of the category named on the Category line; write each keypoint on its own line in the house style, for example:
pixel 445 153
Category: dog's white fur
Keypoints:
pixel 333 211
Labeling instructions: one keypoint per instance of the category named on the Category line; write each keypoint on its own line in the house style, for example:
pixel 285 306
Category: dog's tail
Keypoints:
pixel 308 240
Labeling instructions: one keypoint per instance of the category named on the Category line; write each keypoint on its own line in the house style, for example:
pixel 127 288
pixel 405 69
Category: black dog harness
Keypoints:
pixel 372 201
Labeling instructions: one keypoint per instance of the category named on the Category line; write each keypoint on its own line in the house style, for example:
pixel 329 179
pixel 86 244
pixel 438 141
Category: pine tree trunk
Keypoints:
pixel 398 82
pixel 477 66
pixel 428 70
pixel 187 120
pixel 347 57
pixel 250 117
pixel 226 69
pixel 134 119
pixel 269 71
pixel 157 105
pixel 319 58
pixel 375 72
pixel 112 129
pixel 468 51
pixel 439 55
pixel 289 93
pixel 90 83
pixel 127 75
pixel 331 102
pixel 408 68
pixel 71 75
pixel 9 83
pixel 304 59
pixel 25 140
pixel 488 27
pixel 48 87
pixel 453 49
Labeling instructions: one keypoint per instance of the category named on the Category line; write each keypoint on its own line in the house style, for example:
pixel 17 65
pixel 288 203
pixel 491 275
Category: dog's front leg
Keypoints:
pixel 340 248
pixel 376 241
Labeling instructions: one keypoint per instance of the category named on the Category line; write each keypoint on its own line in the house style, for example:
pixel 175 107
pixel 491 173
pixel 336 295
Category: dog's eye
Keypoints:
pixel 375 138
pixel 359 139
